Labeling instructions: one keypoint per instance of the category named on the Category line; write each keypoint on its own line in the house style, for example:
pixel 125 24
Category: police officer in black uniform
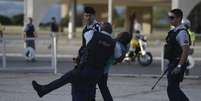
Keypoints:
pixel 176 51
pixel 121 47
pixel 84 77
pixel 99 48
pixel 90 25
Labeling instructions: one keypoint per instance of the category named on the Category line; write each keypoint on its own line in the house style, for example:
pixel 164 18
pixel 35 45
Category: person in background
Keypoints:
pixel 54 28
pixel 30 33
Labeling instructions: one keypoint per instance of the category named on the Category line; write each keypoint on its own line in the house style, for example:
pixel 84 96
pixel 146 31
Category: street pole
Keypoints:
pixel 110 11
pixel 54 53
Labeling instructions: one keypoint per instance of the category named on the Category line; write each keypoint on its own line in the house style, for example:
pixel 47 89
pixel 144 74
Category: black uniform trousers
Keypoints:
pixel 83 80
pixel 102 84
pixel 84 86
pixel 173 90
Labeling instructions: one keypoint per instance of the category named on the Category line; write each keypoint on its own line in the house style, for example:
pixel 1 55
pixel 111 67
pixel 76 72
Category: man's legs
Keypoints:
pixel 45 89
pixel 102 84
pixel 173 90
pixel 84 88
pixel 83 91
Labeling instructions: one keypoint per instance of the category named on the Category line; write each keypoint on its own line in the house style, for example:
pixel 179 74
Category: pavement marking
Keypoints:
pixel 151 76
pixel 194 58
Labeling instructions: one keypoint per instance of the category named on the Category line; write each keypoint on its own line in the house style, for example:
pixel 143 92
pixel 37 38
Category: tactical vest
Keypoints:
pixel 98 50
pixel 30 30
pixel 173 50
pixel 95 27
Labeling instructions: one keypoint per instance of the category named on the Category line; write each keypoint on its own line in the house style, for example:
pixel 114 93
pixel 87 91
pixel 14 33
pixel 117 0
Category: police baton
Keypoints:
pixel 159 79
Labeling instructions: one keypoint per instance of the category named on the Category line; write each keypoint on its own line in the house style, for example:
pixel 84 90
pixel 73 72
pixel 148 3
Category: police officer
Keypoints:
pixel 121 48
pixel 176 51
pixel 98 49
pixel 90 25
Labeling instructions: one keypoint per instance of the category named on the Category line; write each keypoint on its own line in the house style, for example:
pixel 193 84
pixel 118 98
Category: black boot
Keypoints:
pixel 38 88
pixel 45 89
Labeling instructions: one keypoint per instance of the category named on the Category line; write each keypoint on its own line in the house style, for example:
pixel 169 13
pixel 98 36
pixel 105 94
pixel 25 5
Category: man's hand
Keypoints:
pixel 176 70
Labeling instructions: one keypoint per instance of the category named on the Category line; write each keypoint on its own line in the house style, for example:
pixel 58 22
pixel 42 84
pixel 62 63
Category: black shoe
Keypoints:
pixel 38 88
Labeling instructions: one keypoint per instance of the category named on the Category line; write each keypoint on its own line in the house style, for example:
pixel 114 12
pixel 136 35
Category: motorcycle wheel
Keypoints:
pixel 146 59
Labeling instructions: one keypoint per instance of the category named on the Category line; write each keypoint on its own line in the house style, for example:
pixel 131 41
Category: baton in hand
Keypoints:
pixel 159 79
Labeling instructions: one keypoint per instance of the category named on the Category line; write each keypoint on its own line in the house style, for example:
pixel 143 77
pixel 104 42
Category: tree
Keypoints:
pixel 4 20
pixel 64 21
pixel 18 19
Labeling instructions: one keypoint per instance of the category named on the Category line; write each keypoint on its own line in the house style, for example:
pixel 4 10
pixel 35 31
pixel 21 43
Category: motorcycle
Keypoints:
pixel 138 51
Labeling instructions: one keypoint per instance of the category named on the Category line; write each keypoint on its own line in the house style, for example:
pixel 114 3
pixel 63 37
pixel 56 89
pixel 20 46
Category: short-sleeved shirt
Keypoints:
pixel 182 37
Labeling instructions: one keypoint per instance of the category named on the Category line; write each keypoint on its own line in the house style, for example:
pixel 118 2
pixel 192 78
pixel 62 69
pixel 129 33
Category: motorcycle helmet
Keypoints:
pixel 186 23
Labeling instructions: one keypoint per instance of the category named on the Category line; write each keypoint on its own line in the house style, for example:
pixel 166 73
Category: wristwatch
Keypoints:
pixel 179 66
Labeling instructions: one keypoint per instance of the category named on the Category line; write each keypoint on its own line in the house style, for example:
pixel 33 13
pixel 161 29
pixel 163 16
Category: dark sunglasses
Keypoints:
pixel 171 17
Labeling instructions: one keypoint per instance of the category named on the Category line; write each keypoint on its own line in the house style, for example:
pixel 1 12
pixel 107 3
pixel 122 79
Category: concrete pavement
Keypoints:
pixel 17 87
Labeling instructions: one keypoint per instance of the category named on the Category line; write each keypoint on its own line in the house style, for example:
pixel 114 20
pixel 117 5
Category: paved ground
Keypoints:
pixel 17 87
pixel 68 49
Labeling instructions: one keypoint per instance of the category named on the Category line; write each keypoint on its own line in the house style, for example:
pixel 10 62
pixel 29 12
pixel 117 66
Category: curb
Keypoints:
pixel 150 76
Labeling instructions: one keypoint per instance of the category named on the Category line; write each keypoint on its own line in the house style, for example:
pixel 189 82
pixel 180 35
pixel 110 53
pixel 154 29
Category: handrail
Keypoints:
pixel 53 51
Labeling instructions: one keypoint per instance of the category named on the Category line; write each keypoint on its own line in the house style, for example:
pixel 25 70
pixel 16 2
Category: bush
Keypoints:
pixel 64 21
pixel 18 19
pixel 4 20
